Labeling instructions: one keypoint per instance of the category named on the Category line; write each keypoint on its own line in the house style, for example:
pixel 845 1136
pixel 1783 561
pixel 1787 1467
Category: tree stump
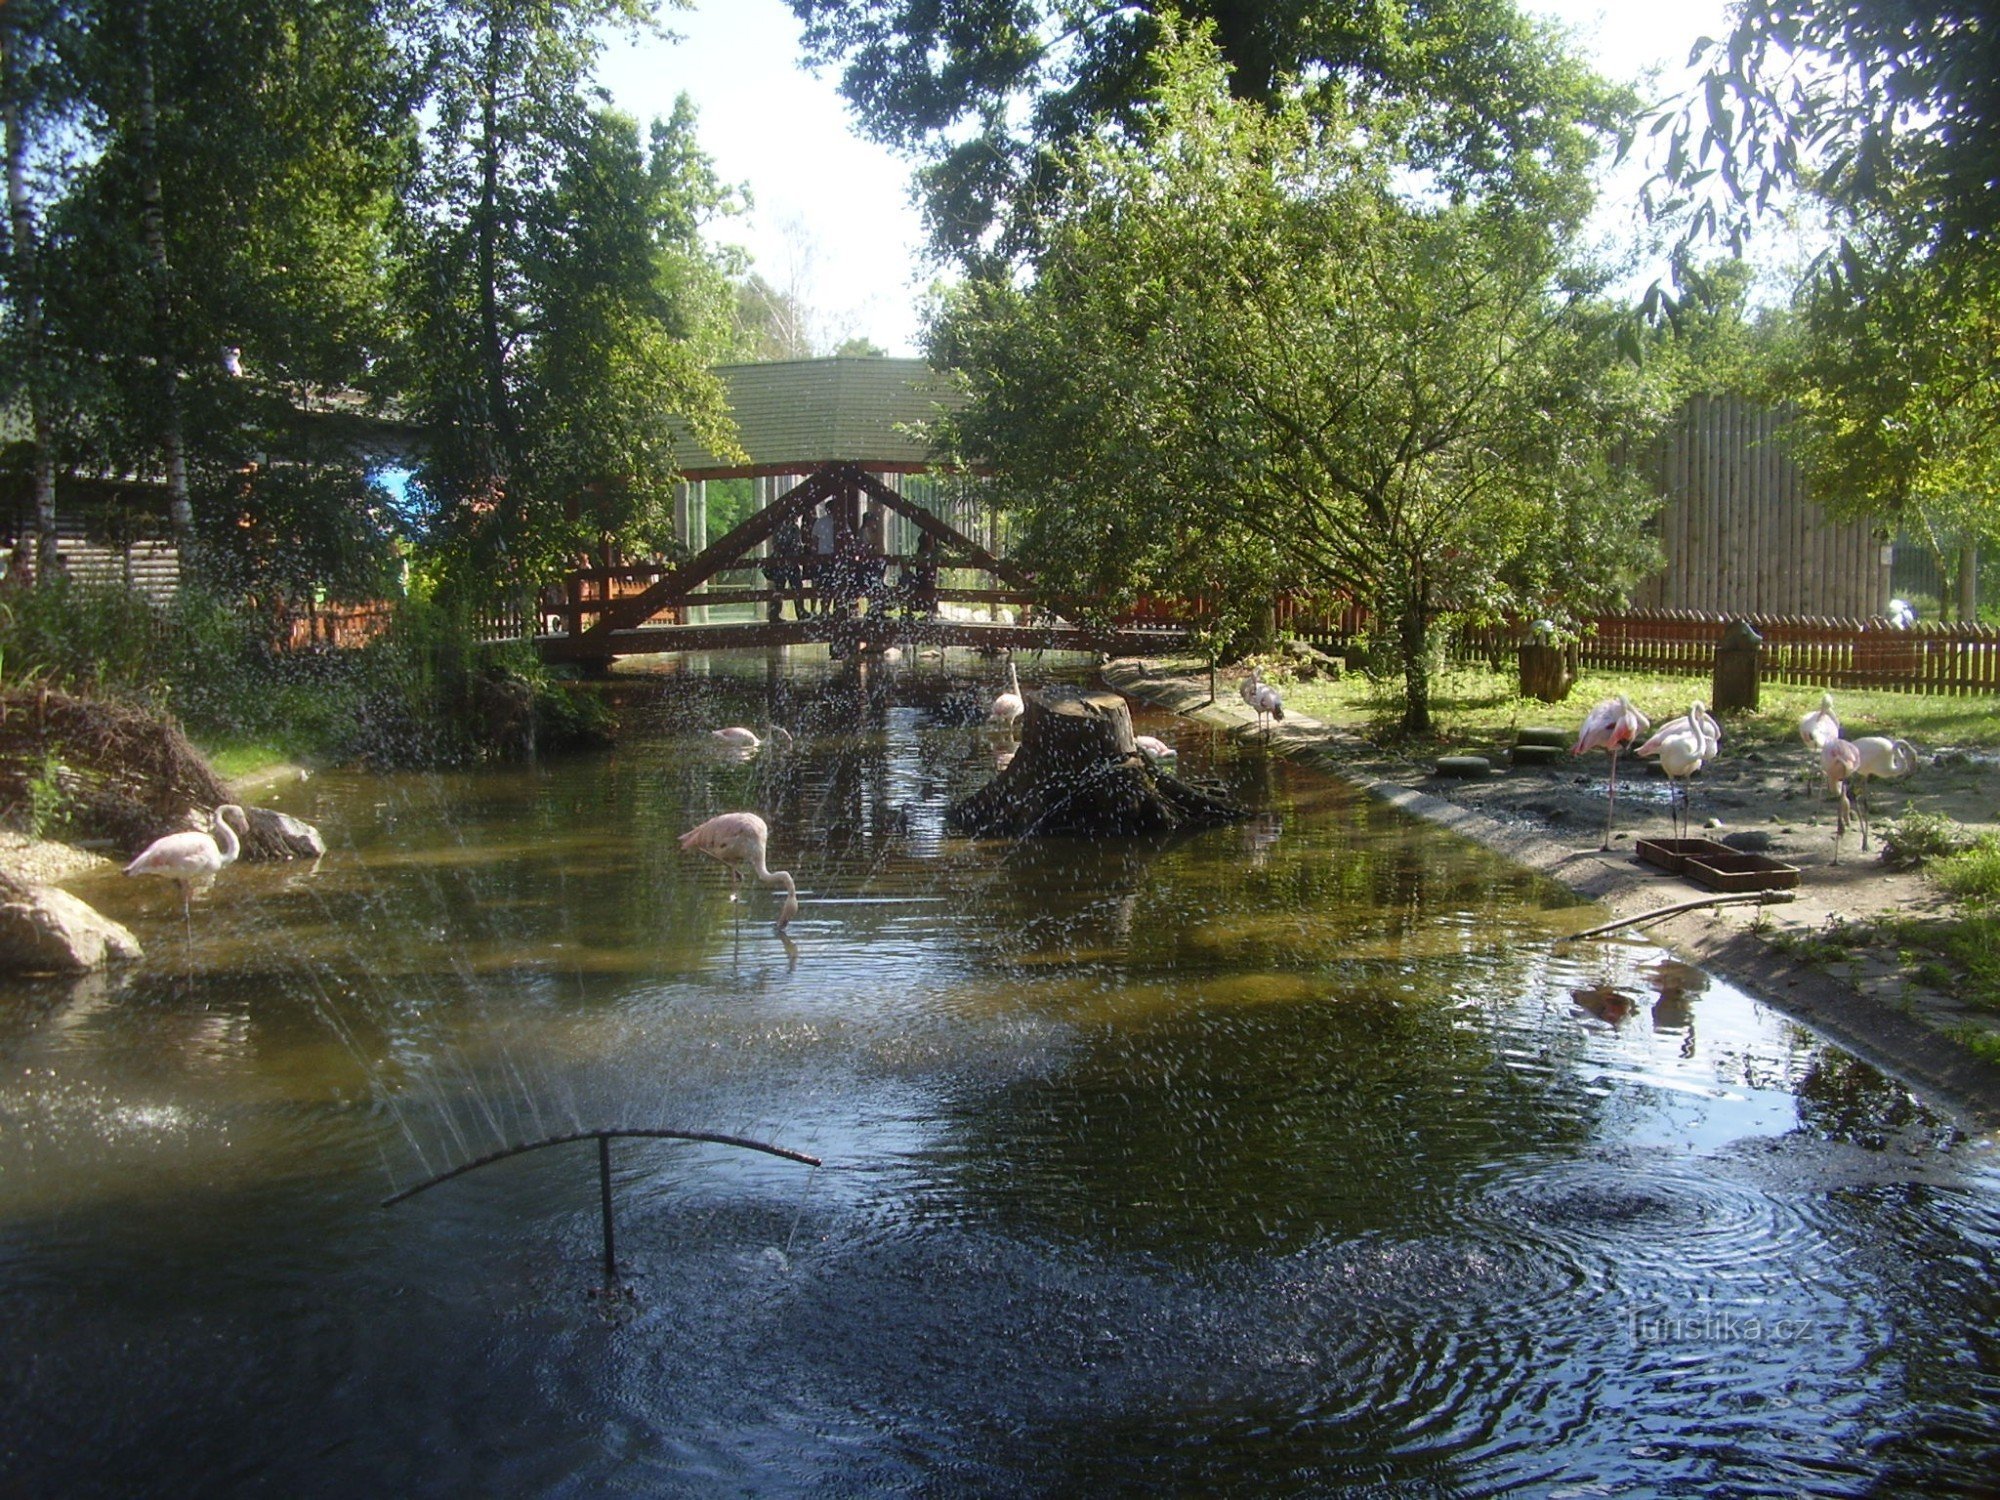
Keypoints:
pixel 1078 772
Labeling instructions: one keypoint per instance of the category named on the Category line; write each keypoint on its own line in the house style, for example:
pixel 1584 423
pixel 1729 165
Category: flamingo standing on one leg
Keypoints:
pixel 739 840
pixel 1613 725
pixel 192 860
pixel 1684 746
pixel 1009 705
pixel 1264 699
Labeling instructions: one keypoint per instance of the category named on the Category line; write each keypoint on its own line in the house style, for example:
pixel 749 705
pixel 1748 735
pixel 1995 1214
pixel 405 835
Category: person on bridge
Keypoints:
pixel 825 572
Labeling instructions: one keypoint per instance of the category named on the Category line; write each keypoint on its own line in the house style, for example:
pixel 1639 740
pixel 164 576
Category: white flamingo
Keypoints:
pixel 740 738
pixel 1264 700
pixel 739 840
pixel 1159 749
pixel 1009 705
pixel 192 860
pixel 1684 746
pixel 1819 727
pixel 1613 725
pixel 1877 757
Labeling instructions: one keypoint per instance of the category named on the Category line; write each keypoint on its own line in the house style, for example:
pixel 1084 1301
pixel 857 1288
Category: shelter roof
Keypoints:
pixel 794 415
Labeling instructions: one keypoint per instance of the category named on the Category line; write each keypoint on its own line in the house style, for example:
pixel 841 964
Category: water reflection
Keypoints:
pixel 1281 1157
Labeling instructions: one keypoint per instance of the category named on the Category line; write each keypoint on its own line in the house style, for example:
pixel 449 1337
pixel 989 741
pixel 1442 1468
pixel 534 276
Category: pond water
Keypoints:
pixel 1290 1156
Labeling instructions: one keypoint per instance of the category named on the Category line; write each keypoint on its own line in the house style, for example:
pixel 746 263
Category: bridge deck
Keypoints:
pixel 852 633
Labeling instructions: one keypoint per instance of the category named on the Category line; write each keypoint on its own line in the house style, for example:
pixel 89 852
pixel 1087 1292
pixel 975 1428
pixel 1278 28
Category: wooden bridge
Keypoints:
pixel 839 589
pixel 827 575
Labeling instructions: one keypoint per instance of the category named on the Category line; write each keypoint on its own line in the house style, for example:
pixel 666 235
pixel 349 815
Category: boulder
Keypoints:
pixel 276 835
pixel 48 931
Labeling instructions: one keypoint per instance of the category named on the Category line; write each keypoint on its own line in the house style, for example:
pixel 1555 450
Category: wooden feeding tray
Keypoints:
pixel 1672 855
pixel 1734 871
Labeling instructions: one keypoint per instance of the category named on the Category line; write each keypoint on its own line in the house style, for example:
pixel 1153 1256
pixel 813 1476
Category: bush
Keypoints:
pixel 1918 838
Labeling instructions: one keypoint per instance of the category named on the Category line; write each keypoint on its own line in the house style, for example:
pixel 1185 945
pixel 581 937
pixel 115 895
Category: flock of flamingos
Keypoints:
pixel 740 840
pixel 1686 744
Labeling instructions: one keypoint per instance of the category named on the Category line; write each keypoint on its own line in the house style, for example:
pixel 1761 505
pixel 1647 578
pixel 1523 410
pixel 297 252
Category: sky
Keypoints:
pixel 833 222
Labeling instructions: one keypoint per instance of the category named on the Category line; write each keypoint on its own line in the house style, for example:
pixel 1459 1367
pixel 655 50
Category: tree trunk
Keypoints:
pixel 1416 644
pixel 1078 772
pixel 153 223
pixel 28 300
pixel 1968 581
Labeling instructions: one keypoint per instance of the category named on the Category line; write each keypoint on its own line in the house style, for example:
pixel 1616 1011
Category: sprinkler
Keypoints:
pixel 603 1139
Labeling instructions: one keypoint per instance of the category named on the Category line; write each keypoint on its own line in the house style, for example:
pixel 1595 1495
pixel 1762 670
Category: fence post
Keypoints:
pixel 1738 667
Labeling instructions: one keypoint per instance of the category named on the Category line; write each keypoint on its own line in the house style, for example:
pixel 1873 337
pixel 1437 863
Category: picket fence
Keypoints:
pixel 1806 650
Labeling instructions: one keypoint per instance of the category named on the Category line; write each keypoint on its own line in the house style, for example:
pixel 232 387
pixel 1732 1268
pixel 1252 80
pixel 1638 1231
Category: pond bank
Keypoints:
pixel 1871 1004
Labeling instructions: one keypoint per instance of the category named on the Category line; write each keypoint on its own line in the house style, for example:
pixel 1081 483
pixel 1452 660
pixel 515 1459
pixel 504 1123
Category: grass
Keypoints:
pixel 1476 704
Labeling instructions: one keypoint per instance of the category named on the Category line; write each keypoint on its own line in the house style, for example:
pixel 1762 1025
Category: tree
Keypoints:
pixel 1885 113
pixel 994 96
pixel 1246 350
pixel 1885 109
pixel 281 210
pixel 34 95
pixel 558 304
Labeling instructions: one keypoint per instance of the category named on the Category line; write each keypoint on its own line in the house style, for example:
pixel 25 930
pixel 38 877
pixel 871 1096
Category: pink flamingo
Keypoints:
pixel 1841 761
pixel 1819 726
pixel 1613 725
pixel 192 860
pixel 738 839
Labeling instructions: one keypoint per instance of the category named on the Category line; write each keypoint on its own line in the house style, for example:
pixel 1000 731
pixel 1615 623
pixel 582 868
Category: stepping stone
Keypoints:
pixel 1464 766
pixel 1543 735
pixel 1536 755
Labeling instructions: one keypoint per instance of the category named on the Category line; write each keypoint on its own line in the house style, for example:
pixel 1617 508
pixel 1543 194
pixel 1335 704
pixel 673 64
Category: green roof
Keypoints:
pixel 794 415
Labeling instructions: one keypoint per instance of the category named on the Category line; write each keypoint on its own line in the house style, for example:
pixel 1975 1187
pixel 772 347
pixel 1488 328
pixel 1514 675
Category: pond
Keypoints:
pixel 1287 1156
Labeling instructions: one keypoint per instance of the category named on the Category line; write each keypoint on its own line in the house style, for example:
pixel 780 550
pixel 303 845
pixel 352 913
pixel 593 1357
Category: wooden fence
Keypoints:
pixel 1946 659
pixel 1739 530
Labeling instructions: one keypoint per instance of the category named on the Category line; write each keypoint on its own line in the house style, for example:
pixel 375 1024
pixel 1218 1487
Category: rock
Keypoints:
pixel 1750 841
pixel 276 835
pixel 48 931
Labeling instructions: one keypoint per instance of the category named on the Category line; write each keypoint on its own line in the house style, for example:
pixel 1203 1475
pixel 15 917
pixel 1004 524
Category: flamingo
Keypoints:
pixel 1877 756
pixel 1839 759
pixel 1263 699
pixel 738 839
pixel 1157 748
pixel 1819 726
pixel 1613 725
pixel 1684 746
pixel 192 860
pixel 1009 705
pixel 746 739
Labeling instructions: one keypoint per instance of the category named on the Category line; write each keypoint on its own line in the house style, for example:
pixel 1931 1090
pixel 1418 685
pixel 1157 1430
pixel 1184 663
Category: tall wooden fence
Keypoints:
pixel 1739 530
pixel 1806 650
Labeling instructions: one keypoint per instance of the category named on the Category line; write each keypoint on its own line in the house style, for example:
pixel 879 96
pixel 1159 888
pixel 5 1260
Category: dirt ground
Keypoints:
pixel 1552 818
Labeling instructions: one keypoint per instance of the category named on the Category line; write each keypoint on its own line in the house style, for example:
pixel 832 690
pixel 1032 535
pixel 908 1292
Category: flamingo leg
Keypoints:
pixel 1611 802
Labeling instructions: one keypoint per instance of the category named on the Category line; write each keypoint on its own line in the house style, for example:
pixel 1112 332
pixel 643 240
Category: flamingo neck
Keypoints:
pixel 226 841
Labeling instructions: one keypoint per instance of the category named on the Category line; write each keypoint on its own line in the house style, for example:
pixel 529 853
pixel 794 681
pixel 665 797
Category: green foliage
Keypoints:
pixel 559 303
pixel 47 801
pixel 1920 838
pixel 1972 874
pixel 1485 98
pixel 1249 360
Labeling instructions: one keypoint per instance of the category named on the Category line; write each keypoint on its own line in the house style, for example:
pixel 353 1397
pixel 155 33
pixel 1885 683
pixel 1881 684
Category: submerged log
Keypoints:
pixel 1078 772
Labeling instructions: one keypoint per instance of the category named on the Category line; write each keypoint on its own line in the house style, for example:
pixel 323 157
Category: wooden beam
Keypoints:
pixel 977 555
pixel 624 614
